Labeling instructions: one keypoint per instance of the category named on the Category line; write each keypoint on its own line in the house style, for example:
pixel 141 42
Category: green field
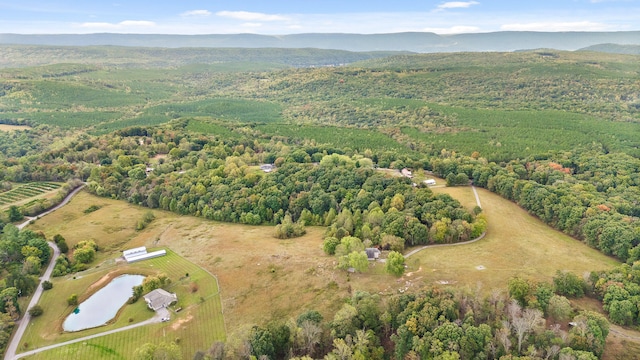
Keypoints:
pixel 196 327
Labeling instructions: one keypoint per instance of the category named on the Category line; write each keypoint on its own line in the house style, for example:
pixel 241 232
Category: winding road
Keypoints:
pixel 24 322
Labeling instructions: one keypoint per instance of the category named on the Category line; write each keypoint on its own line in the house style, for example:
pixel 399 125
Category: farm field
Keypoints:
pixel 24 194
pixel 195 327
pixel 262 277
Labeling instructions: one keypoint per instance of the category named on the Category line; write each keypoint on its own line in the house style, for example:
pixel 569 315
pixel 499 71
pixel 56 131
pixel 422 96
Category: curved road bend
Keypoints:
pixel 22 323
pixel 475 193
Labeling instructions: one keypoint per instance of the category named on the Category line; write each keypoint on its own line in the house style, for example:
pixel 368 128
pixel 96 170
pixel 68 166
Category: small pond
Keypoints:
pixel 102 306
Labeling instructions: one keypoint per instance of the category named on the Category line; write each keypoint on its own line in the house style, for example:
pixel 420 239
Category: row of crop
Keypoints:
pixel 26 191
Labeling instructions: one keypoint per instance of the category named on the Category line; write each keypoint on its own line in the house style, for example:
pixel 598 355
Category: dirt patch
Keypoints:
pixel 180 322
pixel 5 127
pixel 409 274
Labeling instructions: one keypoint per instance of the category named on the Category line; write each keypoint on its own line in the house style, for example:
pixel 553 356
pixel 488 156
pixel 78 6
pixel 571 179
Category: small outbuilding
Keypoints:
pixel 267 168
pixel 372 253
pixel 406 173
pixel 159 298
pixel 430 182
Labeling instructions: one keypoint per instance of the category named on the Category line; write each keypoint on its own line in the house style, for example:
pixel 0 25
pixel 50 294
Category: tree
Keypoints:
pixel 84 255
pixel 72 300
pixel 559 308
pixel 162 351
pixel 358 260
pixel 519 290
pixel 309 315
pixel 47 285
pixel 15 214
pixel 261 341
pixel 395 264
pixel 622 312
pixel 589 333
pixel 36 311
pixel 6 326
pixel 569 284
pixel 310 333
pixel 61 242
pixel 9 302
pixel 329 245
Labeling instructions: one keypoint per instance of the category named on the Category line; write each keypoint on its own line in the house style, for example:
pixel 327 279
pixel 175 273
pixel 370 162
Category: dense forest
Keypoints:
pixel 554 132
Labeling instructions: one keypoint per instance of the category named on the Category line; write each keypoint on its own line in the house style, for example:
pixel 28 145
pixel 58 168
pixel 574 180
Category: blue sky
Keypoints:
pixel 305 16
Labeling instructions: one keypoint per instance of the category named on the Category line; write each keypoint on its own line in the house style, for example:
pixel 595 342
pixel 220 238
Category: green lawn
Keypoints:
pixel 196 327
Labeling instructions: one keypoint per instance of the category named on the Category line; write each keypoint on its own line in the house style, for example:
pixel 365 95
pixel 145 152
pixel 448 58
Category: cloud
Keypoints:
pixel 458 29
pixel 251 25
pixel 196 13
pixel 120 25
pixel 251 16
pixel 556 26
pixel 457 4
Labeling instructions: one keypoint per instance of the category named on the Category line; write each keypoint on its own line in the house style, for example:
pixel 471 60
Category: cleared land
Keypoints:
pixel 5 127
pixel 516 244
pixel 262 277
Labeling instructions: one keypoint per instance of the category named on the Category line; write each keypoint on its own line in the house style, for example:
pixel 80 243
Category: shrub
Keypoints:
pixel 91 209
pixel 47 285
pixel 72 300
pixel 193 287
pixel 36 311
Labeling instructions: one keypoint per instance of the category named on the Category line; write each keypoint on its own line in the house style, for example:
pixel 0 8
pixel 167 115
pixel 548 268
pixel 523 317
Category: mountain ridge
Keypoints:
pixel 423 42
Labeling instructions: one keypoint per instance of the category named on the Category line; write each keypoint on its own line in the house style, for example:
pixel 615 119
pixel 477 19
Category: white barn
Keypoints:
pixel 430 182
pixel 140 253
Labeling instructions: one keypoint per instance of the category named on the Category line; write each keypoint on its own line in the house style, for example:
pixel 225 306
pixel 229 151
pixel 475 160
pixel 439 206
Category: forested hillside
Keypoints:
pixel 555 132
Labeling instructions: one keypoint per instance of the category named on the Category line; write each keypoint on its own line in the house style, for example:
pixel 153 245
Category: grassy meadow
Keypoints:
pixel 516 244
pixel 262 277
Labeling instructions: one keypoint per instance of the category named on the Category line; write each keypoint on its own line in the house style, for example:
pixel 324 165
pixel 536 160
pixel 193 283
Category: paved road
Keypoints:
pixel 155 319
pixel 63 203
pixel 24 322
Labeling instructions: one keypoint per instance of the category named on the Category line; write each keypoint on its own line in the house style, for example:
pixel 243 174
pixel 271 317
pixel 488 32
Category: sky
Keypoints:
pixel 280 17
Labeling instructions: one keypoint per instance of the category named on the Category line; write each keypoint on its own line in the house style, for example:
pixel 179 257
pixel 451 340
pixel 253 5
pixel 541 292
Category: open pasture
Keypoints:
pixel 263 278
pixel 516 244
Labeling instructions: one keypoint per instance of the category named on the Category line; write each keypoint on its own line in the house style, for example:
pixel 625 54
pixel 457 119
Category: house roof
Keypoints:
pixel 372 253
pixel 159 298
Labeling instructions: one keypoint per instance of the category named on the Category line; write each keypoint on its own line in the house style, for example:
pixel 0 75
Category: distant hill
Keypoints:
pixel 408 41
pixel 614 49
pixel 17 56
